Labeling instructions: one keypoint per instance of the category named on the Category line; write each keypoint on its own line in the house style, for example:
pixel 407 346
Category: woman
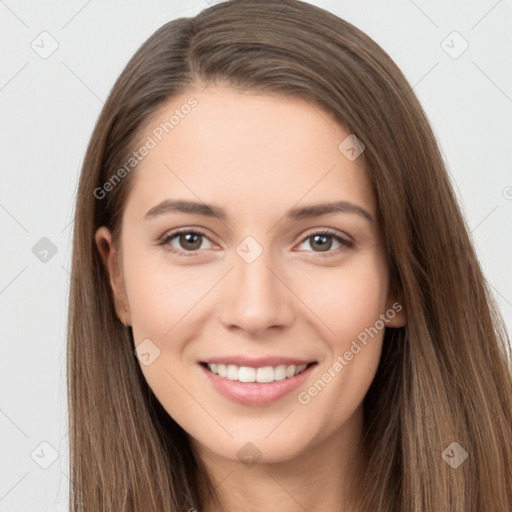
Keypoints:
pixel 275 303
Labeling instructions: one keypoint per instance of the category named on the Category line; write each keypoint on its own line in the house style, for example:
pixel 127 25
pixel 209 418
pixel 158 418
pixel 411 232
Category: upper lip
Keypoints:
pixel 256 362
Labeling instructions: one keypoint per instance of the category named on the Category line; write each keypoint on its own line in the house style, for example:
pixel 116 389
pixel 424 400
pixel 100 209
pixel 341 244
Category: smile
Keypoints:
pixel 264 374
pixel 255 385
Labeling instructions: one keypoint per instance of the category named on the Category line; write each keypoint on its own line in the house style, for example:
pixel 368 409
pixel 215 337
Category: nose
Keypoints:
pixel 257 297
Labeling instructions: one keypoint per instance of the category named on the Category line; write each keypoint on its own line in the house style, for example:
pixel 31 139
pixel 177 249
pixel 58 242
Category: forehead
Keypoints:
pixel 251 153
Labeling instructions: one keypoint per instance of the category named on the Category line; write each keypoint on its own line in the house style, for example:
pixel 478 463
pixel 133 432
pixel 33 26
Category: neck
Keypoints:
pixel 323 476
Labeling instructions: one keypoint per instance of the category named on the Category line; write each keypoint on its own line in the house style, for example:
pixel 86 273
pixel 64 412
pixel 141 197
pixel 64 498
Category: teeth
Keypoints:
pixel 280 372
pixel 232 372
pixel 244 374
pixel 263 374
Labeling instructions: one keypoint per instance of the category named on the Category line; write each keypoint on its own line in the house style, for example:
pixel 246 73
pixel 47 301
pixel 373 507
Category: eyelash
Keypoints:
pixel 344 242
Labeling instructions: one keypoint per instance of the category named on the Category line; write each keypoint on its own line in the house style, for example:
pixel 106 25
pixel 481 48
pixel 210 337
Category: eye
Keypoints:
pixel 185 241
pixel 324 241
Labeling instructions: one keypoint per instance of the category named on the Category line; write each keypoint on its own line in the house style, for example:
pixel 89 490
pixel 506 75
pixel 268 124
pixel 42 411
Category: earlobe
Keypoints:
pixel 110 258
pixel 396 315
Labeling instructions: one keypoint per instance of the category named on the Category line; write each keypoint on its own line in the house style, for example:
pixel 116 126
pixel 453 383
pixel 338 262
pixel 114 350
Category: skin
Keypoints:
pixel 257 156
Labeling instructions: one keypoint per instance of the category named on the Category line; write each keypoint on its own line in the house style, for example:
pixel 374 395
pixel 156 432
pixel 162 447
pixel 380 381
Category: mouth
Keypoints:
pixel 262 374
pixel 256 385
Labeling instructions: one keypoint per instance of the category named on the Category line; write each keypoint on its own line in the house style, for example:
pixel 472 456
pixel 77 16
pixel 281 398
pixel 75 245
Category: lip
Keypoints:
pixel 255 393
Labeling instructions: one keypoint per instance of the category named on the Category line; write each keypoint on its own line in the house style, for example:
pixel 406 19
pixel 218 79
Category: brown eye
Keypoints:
pixel 186 242
pixel 190 241
pixel 322 242
pixel 326 242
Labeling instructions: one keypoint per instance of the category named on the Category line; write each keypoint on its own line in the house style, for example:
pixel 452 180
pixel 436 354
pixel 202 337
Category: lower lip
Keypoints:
pixel 256 393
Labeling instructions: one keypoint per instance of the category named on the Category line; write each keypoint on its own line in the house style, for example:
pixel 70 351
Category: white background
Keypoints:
pixel 48 110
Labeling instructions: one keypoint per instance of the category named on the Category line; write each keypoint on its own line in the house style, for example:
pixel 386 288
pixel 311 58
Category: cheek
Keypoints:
pixel 349 303
pixel 347 299
pixel 161 296
pixel 166 306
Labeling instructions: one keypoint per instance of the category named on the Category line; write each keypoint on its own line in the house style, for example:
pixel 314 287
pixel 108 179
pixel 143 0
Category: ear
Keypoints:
pixel 396 314
pixel 111 260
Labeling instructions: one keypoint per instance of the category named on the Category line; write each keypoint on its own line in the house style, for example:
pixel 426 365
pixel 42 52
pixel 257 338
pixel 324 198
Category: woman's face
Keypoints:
pixel 262 281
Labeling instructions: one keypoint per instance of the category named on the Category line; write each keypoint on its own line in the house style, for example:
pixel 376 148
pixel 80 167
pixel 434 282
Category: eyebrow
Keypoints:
pixel 304 212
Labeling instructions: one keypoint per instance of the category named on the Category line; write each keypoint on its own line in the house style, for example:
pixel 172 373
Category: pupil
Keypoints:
pixel 324 246
pixel 190 241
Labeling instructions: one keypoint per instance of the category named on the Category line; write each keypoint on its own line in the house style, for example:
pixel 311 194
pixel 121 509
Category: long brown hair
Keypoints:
pixel 443 378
